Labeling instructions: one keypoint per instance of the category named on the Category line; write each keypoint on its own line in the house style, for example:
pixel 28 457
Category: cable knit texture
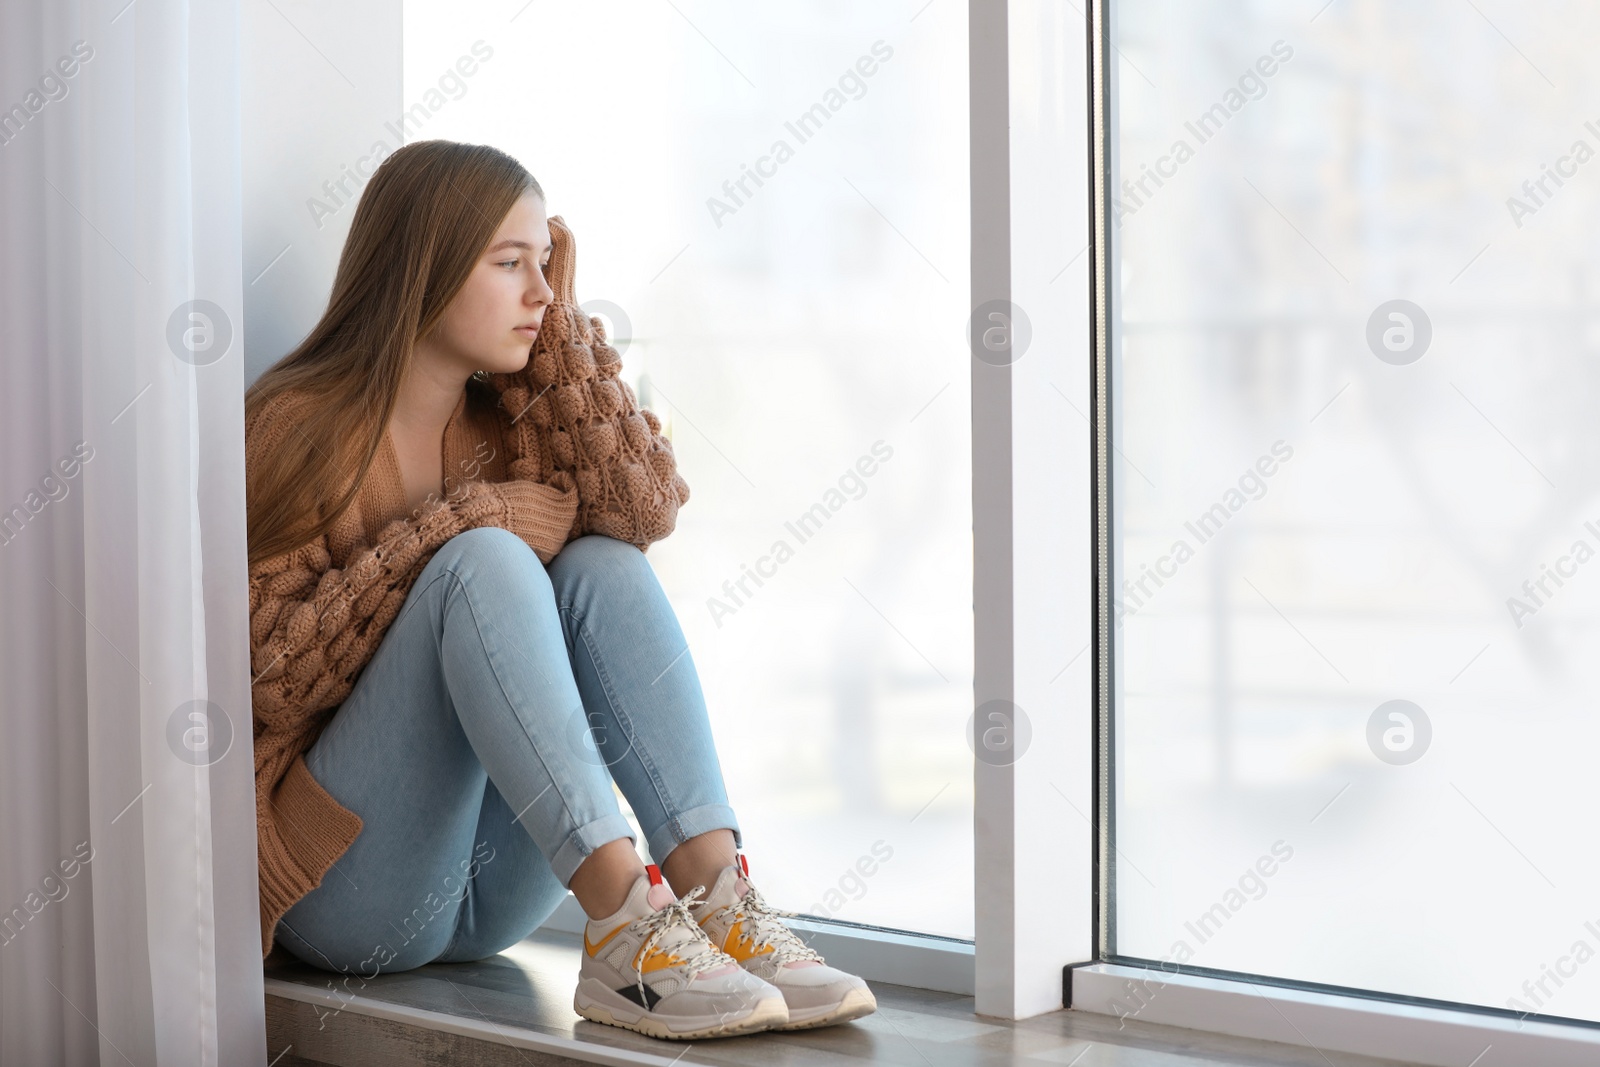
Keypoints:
pixel 570 407
pixel 318 613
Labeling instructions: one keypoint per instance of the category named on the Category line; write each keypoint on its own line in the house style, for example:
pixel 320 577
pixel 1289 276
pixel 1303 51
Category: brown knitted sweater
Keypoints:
pixel 318 613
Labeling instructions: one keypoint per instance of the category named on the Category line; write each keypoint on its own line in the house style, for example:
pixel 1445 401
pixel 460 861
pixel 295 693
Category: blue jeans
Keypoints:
pixel 480 743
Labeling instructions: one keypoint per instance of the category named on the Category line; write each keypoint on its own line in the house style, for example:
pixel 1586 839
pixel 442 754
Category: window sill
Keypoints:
pixel 516 1008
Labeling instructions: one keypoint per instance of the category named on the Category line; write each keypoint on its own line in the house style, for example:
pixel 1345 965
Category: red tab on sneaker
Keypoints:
pixel 654 872
pixel 744 864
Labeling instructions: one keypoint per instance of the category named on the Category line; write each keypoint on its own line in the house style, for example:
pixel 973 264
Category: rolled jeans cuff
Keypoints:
pixel 692 823
pixel 584 840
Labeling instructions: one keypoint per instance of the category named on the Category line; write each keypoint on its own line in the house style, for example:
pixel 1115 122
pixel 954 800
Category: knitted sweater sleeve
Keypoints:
pixel 592 433
pixel 567 413
pixel 314 625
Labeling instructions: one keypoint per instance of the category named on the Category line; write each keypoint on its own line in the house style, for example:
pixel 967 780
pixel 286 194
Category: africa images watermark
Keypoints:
pixel 1537 989
pixel 803 127
pixel 1399 732
pixel 432 905
pixel 52 88
pixel 1251 885
pixel 803 528
pixel 1252 485
pixel 52 489
pixel 1536 192
pixel 1536 591
pixel 1252 85
pixel 455 489
pixel 852 884
pixel 52 890
pixel 344 189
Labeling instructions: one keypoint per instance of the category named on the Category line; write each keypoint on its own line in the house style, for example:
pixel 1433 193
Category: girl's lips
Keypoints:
pixel 529 331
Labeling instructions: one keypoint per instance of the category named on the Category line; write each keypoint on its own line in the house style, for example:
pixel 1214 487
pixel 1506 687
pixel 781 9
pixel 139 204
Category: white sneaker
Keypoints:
pixel 746 927
pixel 651 968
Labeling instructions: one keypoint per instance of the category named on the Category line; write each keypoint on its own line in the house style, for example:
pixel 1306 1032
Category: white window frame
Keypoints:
pixel 1032 501
pixel 1303 1013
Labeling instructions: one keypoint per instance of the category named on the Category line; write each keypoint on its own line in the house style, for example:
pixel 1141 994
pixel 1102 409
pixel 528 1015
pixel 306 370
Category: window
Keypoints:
pixel 771 212
pixel 1354 344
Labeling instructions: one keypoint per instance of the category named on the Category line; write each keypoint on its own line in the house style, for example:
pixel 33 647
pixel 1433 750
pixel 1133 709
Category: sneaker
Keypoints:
pixel 743 925
pixel 651 968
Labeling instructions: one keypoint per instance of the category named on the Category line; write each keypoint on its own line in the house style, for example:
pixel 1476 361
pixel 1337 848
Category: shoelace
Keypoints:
pixel 763 926
pixel 674 916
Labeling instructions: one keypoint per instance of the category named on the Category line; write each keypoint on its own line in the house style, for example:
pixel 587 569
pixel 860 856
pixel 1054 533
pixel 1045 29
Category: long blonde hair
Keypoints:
pixel 424 219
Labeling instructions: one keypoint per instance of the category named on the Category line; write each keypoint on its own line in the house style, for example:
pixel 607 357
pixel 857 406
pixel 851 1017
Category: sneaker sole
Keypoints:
pixel 856 1003
pixel 598 1004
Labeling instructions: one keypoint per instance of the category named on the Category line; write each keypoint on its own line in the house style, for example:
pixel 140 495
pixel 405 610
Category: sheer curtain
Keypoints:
pixel 128 928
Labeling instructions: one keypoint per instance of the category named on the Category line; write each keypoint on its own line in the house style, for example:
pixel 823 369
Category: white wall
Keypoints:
pixel 321 86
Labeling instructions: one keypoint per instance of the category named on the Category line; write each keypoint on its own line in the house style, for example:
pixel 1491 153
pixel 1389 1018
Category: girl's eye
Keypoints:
pixel 509 262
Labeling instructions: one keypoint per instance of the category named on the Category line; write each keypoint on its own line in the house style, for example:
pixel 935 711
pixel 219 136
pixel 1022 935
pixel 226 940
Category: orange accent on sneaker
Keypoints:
pixel 740 946
pixel 593 947
pixel 658 960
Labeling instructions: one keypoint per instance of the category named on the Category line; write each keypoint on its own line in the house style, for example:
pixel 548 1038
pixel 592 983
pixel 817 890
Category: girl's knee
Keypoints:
pixel 494 554
pixel 599 554
pixel 486 541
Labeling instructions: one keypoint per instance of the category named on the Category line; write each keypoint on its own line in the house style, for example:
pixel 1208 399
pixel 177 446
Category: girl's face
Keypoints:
pixel 491 323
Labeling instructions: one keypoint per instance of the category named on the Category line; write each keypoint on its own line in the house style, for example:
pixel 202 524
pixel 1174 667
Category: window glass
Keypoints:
pixel 1356 494
pixel 770 206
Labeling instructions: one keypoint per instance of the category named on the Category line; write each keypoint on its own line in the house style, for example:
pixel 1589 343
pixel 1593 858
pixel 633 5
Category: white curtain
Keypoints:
pixel 128 918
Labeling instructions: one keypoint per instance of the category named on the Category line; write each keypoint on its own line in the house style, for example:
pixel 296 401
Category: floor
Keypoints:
pixel 516 1008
